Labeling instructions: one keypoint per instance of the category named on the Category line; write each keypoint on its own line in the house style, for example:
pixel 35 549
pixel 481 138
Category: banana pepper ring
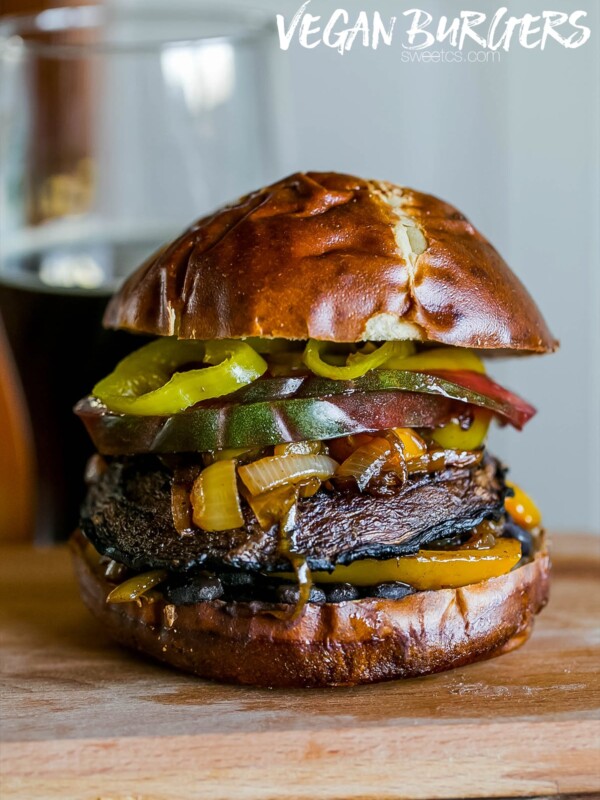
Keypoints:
pixel 146 382
pixel 357 364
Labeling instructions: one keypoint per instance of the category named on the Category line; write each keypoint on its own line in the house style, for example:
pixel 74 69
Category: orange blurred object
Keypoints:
pixel 17 482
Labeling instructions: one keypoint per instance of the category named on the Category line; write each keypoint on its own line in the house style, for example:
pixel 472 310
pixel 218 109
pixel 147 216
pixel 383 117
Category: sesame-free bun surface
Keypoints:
pixel 334 644
pixel 333 257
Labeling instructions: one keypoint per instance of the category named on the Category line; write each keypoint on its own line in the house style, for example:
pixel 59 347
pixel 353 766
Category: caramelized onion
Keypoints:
pixel 299 565
pixel 406 446
pixel 215 498
pixel 271 507
pixel 435 460
pixel 181 508
pixel 298 448
pixel 484 536
pixel 273 471
pixel 309 487
pixel 304 579
pixel 365 462
pixel 342 447
pixel 181 505
pixel 397 461
pixel 412 444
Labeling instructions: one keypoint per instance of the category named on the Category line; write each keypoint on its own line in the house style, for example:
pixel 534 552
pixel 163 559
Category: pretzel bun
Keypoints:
pixel 333 257
pixel 333 644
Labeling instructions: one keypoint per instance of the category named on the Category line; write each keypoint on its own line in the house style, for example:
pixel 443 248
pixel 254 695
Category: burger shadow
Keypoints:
pixel 65 654
pixel 297 707
pixel 53 642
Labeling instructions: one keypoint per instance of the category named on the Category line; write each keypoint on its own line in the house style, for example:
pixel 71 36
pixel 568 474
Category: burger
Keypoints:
pixel 291 485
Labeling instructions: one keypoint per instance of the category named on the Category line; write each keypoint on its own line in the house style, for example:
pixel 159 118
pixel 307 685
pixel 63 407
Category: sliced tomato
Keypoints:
pixel 516 410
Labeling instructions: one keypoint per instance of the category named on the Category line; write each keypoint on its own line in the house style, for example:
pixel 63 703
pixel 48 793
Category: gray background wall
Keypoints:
pixel 515 146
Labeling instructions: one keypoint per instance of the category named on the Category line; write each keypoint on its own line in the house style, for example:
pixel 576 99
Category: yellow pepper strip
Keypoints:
pixel 429 569
pixel 522 508
pixel 452 437
pixel 357 364
pixel 452 358
pixel 146 381
pixel 137 586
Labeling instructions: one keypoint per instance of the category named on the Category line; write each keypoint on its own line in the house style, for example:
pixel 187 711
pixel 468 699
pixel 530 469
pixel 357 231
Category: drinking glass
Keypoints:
pixel 118 127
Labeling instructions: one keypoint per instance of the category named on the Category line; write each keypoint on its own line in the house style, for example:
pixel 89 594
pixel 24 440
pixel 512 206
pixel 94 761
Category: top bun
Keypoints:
pixel 328 256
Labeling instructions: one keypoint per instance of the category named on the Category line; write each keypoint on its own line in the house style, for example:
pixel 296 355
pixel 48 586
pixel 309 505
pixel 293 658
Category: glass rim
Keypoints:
pixel 253 24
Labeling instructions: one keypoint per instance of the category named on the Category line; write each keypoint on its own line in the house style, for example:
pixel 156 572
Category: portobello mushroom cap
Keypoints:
pixel 127 516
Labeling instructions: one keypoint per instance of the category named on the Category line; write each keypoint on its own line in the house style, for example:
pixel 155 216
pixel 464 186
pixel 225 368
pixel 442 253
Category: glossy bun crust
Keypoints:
pixel 334 644
pixel 337 258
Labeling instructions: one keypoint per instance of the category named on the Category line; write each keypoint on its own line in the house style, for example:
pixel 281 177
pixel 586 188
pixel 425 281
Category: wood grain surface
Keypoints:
pixel 82 719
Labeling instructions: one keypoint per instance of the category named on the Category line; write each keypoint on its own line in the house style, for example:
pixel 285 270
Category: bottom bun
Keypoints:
pixel 334 644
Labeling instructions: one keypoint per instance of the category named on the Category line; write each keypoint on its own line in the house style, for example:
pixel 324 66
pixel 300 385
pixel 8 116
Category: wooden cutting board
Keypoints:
pixel 84 720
